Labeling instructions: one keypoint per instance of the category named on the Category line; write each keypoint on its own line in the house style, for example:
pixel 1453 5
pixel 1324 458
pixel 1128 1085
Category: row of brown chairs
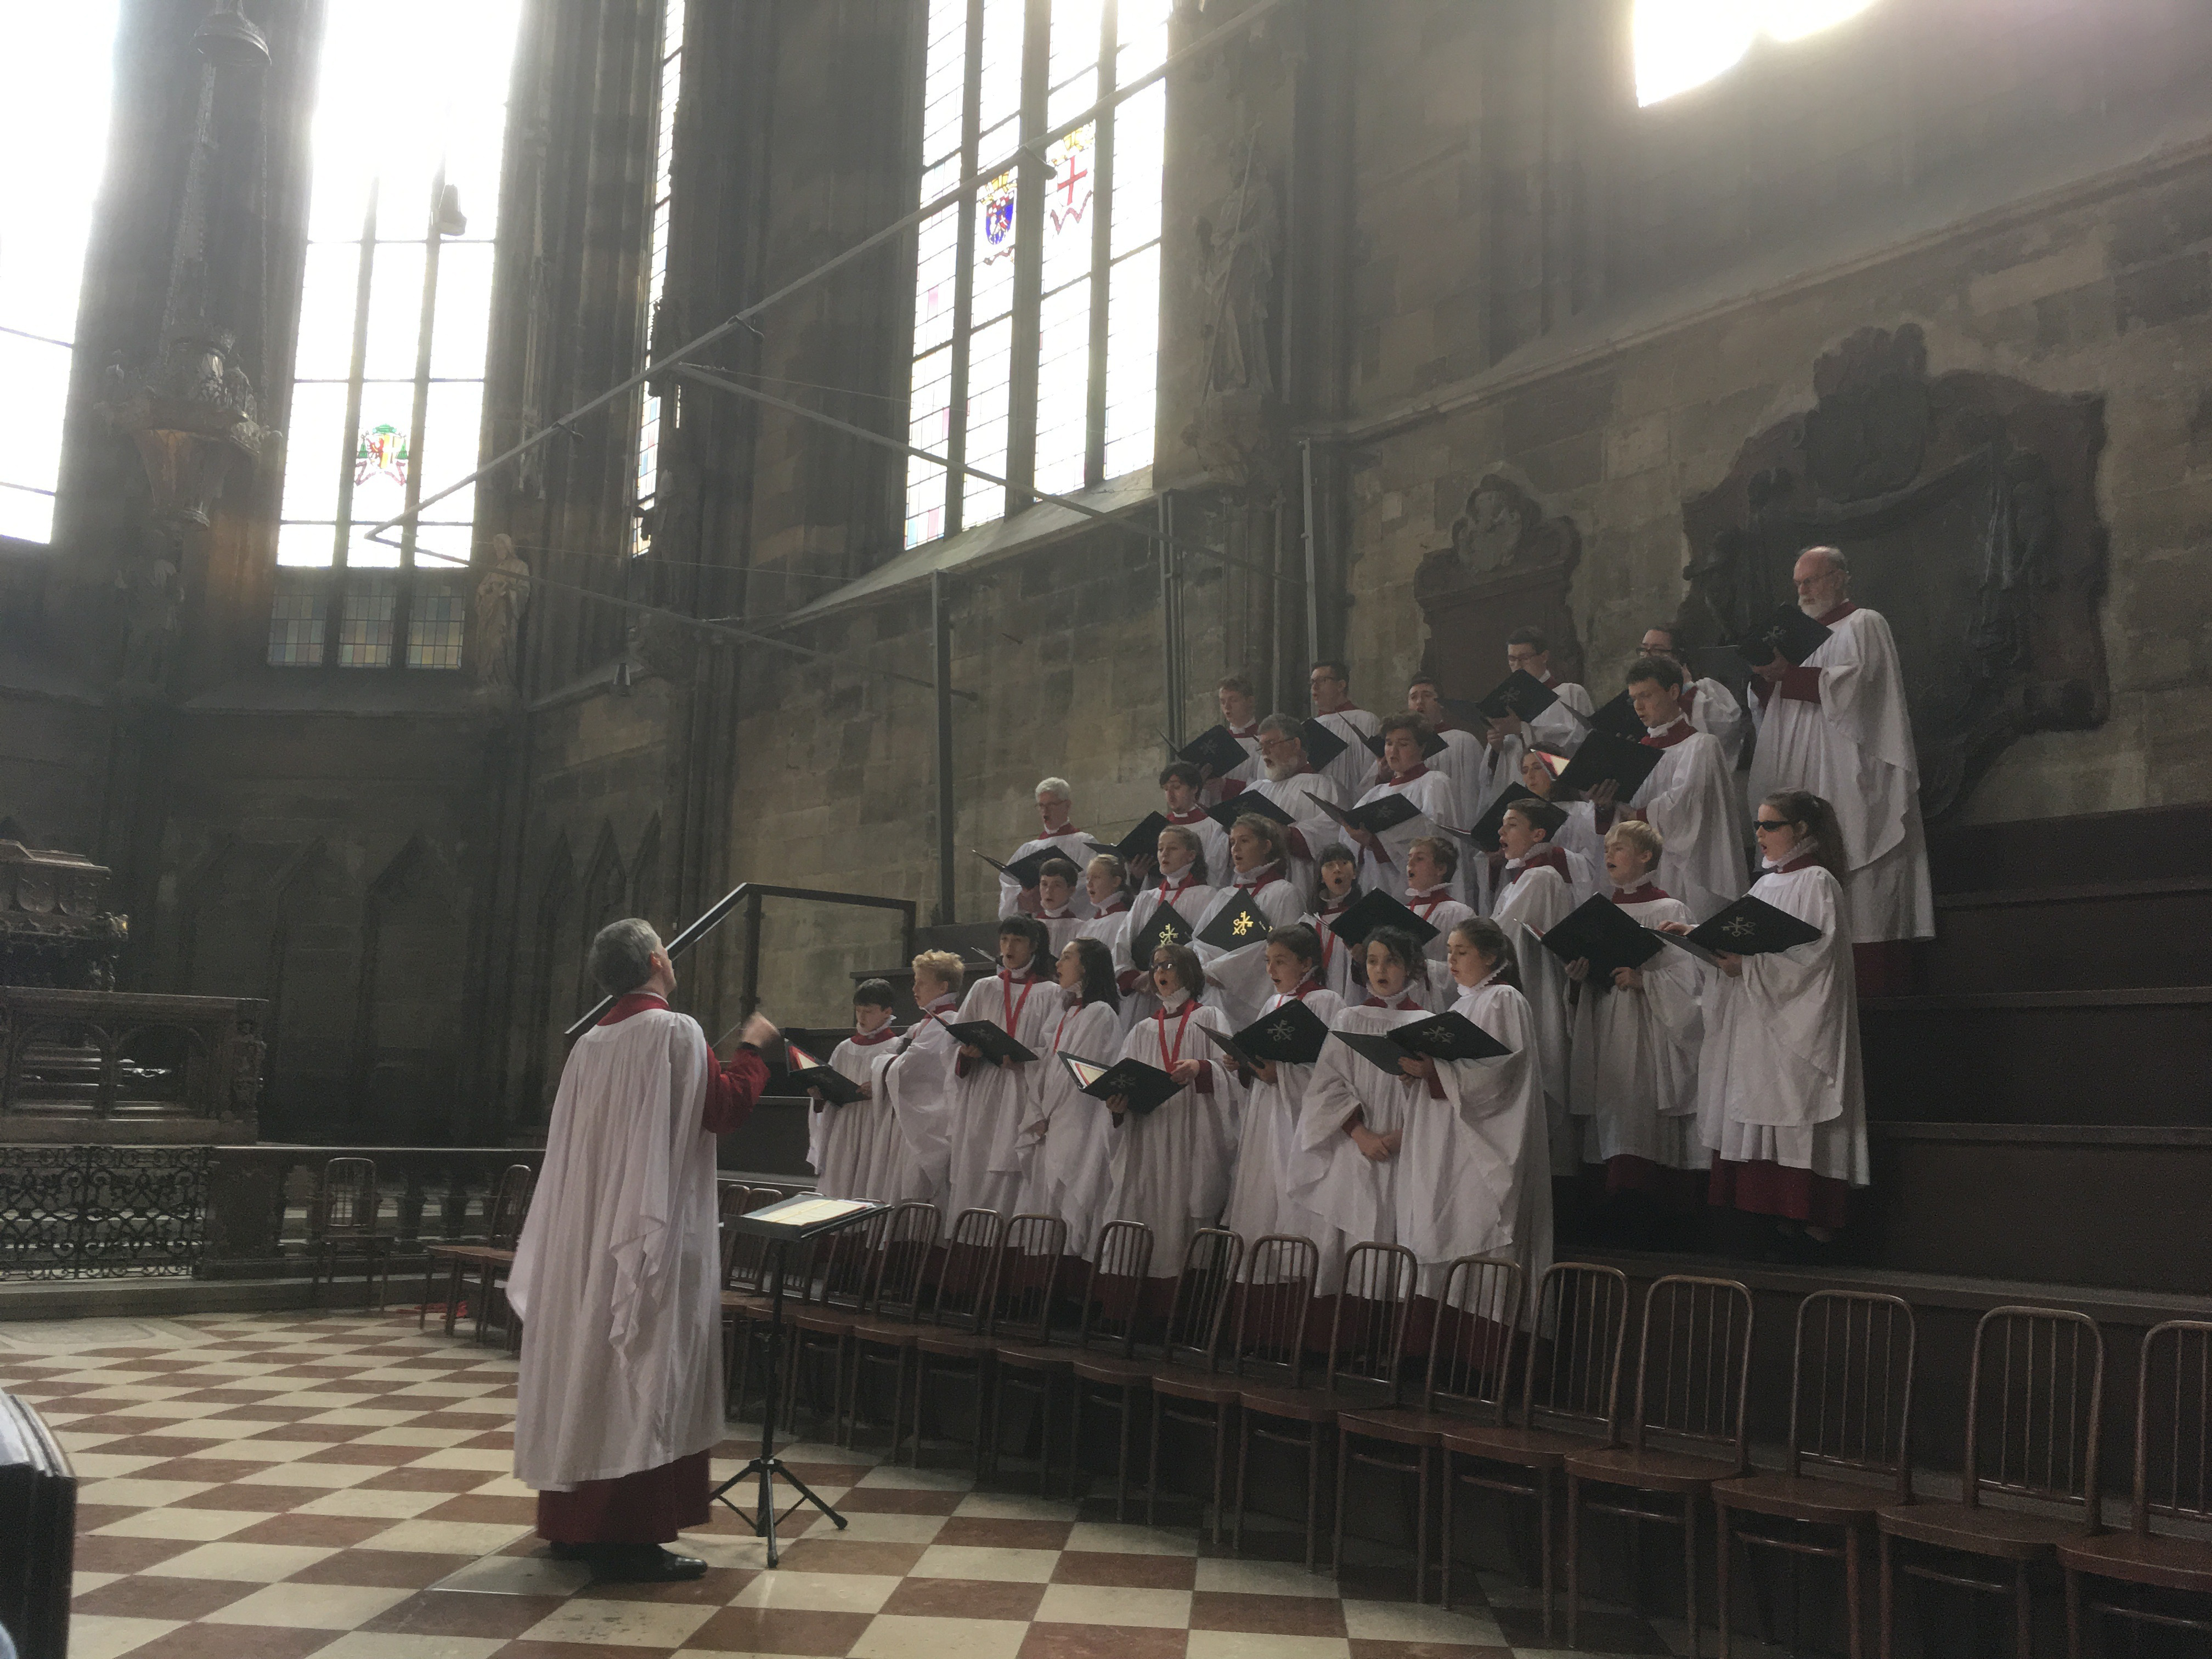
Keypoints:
pixel 488 1260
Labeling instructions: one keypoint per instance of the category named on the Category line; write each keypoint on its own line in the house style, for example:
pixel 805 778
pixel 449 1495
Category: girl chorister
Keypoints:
pixel 990 1100
pixel 1632 1070
pixel 1337 892
pixel 1780 1098
pixel 1259 1195
pixel 1068 1173
pixel 1182 883
pixel 1259 852
pixel 1347 1163
pixel 1170 1167
pixel 1432 864
pixel 1473 1165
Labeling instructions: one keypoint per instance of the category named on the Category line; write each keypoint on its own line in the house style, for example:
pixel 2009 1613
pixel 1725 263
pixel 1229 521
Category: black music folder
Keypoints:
pixel 1378 909
pixel 1145 1089
pixel 989 1037
pixel 1749 928
pixel 1290 1035
pixel 1237 924
pixel 1600 932
pixel 1379 816
pixel 1789 632
pixel 1604 756
pixel 804 1071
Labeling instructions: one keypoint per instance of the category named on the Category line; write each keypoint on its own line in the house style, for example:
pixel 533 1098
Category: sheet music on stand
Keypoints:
pixel 788 1221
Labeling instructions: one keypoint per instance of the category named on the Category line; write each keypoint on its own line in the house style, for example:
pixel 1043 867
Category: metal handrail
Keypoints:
pixel 751 894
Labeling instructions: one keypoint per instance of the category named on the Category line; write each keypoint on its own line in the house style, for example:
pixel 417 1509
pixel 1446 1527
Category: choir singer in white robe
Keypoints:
pixel 1056 831
pixel 1259 852
pixel 1632 1054
pixel 1260 1200
pixel 1690 797
pixel 990 1100
pixel 911 1110
pixel 1476 1152
pixel 1528 650
pixel 1536 898
pixel 1837 727
pixel 840 1139
pixel 1382 858
pixel 1706 703
pixel 1068 1173
pixel 1352 771
pixel 1781 1100
pixel 617 1277
pixel 1170 1167
pixel 1291 783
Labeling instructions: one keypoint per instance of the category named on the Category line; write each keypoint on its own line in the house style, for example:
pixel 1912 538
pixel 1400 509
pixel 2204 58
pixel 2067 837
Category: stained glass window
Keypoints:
pixel 395 306
pixel 664 169
pixel 53 125
pixel 1036 362
pixel 1681 44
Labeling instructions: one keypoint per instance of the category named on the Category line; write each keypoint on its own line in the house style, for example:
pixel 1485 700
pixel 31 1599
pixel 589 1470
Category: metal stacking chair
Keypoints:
pixel 1688 1430
pixel 823 1325
pixel 509 1206
pixel 1113 1298
pixel 1469 1374
pixel 1190 1341
pixel 2035 1392
pixel 1579 1325
pixel 909 1243
pixel 1851 1406
pixel 957 1305
pixel 1273 1303
pixel 1366 1341
pixel 2174 1455
pixel 342 1221
pixel 1017 1303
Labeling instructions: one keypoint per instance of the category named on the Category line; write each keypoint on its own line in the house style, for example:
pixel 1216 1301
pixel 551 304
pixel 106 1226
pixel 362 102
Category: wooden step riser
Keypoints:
pixel 2098 1065
pixel 2076 944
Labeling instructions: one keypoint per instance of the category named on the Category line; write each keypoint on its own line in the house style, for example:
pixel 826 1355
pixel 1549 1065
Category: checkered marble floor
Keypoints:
pixel 275 1486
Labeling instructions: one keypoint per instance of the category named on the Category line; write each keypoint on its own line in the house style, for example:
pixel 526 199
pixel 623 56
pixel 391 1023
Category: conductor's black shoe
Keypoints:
pixel 570 1551
pixel 646 1564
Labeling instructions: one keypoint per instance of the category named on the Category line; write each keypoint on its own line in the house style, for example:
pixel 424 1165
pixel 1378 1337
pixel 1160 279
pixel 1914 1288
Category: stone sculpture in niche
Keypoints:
pixel 1509 565
pixel 1967 504
pixel 1239 243
pixel 502 592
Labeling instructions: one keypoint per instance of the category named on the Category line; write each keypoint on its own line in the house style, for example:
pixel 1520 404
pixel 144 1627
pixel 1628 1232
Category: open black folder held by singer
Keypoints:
pixel 1603 755
pixel 1214 750
pixel 1789 633
pixel 1378 909
pixel 1291 1036
pixel 1243 801
pixel 1141 843
pixel 804 1071
pixel 1144 1089
pixel 1026 869
pixel 1524 697
pixel 1749 928
pixel 1440 1037
pixel 1380 815
pixel 991 1039
pixel 1600 932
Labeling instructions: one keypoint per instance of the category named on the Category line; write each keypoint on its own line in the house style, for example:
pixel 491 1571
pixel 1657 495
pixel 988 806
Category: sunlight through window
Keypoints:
pixel 1681 44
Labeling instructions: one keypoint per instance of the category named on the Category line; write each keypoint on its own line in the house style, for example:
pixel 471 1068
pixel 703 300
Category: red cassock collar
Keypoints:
pixel 1646 894
pixel 632 1002
pixel 1405 1003
pixel 1795 865
pixel 1196 815
pixel 1421 771
pixel 1546 857
pixel 869 1039
pixel 1836 615
pixel 1680 731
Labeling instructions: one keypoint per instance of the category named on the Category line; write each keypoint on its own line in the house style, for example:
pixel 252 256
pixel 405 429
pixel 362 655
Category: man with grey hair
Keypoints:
pixel 1836 724
pixel 1058 833
pixel 1292 784
pixel 616 1276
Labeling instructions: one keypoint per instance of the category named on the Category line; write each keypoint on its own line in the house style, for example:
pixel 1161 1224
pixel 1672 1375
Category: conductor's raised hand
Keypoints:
pixel 759 1032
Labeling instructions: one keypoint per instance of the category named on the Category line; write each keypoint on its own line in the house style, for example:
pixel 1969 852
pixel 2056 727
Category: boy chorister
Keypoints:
pixel 839 1140
pixel 1056 907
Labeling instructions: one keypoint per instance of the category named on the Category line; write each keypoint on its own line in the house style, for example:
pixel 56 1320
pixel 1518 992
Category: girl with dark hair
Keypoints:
pixel 1067 1173
pixel 1382 858
pixel 840 1140
pixel 1169 1168
pixel 989 1102
pixel 1345 1167
pixel 1258 848
pixel 1476 1175
pixel 1259 1193
pixel 1780 1098
pixel 1337 890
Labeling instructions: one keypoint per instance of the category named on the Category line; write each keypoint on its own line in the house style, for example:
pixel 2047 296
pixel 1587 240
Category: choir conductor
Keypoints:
pixel 616 1279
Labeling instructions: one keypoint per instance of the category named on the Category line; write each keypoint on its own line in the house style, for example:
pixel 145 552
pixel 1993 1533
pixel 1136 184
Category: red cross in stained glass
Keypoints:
pixel 1072 173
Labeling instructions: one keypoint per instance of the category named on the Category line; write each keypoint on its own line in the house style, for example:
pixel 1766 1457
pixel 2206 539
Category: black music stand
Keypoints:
pixel 791 1221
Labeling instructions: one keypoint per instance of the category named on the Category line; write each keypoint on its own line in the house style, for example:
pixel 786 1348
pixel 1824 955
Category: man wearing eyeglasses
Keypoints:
pixel 1292 784
pixel 1836 724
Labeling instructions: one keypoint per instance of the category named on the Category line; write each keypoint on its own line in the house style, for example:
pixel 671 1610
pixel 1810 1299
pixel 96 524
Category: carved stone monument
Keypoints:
pixel 1967 505
pixel 1508 566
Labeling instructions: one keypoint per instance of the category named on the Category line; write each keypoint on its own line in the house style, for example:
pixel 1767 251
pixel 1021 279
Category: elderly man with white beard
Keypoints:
pixel 1292 784
pixel 1837 726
